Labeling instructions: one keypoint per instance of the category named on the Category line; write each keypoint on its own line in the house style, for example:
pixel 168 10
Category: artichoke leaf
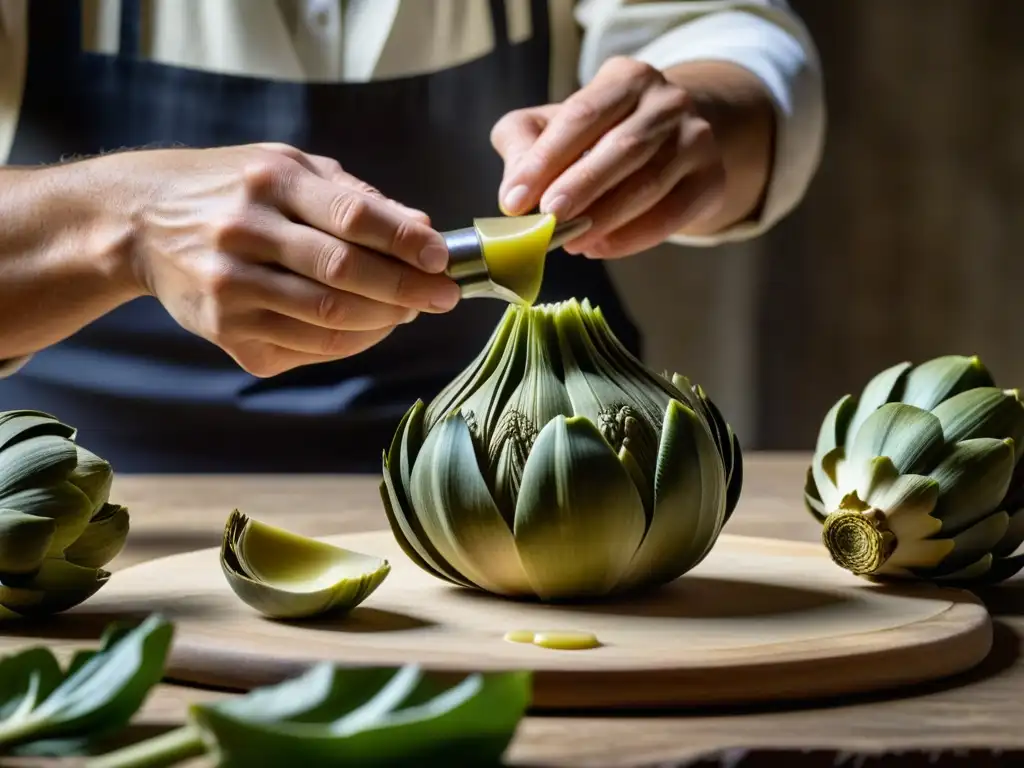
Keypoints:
pixel 933 381
pixel 24 541
pixel 688 500
pixel 94 477
pixel 835 426
pixel 1013 537
pixel 451 397
pixel 539 397
pixel 884 387
pixel 103 538
pixel 483 407
pixel 579 517
pixel 398 481
pixel 967 546
pixel 55 587
pixel 825 470
pixel 591 383
pixel 973 479
pixel 907 435
pixel 971 573
pixel 906 500
pixel 458 513
pixel 1001 570
pixel 287 576
pixel 64 503
pixel 23 425
pixel 812 499
pixel 36 462
pixel 982 412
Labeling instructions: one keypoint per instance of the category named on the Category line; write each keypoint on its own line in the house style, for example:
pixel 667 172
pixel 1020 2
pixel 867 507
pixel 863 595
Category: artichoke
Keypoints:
pixel 57 527
pixel 920 477
pixel 287 576
pixel 557 466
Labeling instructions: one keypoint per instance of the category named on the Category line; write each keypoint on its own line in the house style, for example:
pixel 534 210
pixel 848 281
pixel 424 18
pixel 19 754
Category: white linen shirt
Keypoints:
pixel 362 40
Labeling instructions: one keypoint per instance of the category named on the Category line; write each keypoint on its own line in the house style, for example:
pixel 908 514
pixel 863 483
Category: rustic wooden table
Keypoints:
pixel 981 710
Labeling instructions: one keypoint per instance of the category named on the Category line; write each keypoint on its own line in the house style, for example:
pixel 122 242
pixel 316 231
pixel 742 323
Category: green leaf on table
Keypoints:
pixel 337 716
pixel 99 692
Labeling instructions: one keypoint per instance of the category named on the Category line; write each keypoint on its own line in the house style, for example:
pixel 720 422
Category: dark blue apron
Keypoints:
pixel 152 397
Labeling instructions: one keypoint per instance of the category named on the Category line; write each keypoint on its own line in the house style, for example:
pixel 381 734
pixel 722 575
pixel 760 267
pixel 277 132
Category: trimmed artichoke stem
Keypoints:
pixel 858 541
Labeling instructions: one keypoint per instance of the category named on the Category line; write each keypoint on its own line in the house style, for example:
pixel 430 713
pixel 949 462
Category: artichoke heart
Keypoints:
pixel 558 466
pixel 920 477
pixel 58 528
pixel 286 576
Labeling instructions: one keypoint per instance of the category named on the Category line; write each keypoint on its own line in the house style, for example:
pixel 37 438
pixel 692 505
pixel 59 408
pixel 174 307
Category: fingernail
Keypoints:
pixel 560 207
pixel 445 297
pixel 434 258
pixel 411 315
pixel 515 198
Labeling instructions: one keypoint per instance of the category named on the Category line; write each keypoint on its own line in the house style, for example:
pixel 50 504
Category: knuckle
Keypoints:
pixel 334 264
pixel 329 310
pixel 579 110
pixel 265 172
pixel 333 342
pixel 631 69
pixel 350 211
pixel 215 278
pixel 404 236
pixel 229 228
pixel 674 100
pixel 629 146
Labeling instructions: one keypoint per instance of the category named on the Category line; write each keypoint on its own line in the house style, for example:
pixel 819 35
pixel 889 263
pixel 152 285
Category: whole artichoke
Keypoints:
pixel 558 466
pixel 57 529
pixel 921 478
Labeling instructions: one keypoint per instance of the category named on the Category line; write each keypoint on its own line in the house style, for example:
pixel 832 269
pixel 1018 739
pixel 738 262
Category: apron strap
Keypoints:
pixel 499 23
pixel 55 30
pixel 131 28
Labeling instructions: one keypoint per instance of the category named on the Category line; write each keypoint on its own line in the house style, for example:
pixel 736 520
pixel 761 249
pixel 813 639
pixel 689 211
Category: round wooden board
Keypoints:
pixel 759 619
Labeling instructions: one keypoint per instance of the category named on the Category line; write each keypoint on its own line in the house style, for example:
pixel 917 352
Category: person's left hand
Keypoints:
pixel 629 150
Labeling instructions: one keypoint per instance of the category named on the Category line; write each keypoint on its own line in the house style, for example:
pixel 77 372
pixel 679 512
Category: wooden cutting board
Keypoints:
pixel 759 619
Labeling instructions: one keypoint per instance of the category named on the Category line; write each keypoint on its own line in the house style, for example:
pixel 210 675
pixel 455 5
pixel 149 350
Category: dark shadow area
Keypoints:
pixel 170 540
pixel 1006 650
pixel 1003 600
pixel 698 597
pixel 361 620
pixel 84 623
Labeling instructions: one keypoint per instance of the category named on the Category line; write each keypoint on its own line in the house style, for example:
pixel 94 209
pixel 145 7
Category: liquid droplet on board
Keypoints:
pixel 558 640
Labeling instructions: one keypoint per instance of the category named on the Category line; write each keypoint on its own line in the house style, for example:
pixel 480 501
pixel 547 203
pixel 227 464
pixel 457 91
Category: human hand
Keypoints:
pixel 280 258
pixel 629 150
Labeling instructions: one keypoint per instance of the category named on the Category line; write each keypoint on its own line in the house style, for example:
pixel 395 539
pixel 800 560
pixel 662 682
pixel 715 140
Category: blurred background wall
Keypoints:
pixel 910 242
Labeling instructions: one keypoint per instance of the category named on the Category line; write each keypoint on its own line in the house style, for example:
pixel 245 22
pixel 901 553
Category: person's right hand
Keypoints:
pixel 278 257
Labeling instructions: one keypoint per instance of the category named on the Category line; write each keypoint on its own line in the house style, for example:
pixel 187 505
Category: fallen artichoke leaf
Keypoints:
pixel 336 716
pixel 286 576
pixel 46 710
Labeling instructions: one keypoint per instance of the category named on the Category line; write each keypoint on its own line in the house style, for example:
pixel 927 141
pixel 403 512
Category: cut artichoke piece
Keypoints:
pixel 286 576
pixel 558 466
pixel 920 477
pixel 57 529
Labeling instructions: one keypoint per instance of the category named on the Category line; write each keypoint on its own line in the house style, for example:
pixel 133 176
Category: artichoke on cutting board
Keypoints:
pixel 558 466
pixel 920 476
pixel 58 528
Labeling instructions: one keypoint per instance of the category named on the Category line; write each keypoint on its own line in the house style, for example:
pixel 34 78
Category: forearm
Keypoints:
pixel 63 258
pixel 740 110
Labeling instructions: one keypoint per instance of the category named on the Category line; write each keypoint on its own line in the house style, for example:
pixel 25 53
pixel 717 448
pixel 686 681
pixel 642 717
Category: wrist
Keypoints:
pixel 741 113
pixel 97 217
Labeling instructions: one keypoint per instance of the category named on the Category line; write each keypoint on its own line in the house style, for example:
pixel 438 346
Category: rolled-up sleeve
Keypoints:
pixel 764 36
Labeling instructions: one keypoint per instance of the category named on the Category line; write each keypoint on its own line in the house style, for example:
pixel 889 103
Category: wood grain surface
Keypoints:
pixel 758 620
pixel 981 708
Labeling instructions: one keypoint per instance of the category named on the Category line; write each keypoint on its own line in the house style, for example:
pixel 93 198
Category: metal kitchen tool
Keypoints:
pixel 468 263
